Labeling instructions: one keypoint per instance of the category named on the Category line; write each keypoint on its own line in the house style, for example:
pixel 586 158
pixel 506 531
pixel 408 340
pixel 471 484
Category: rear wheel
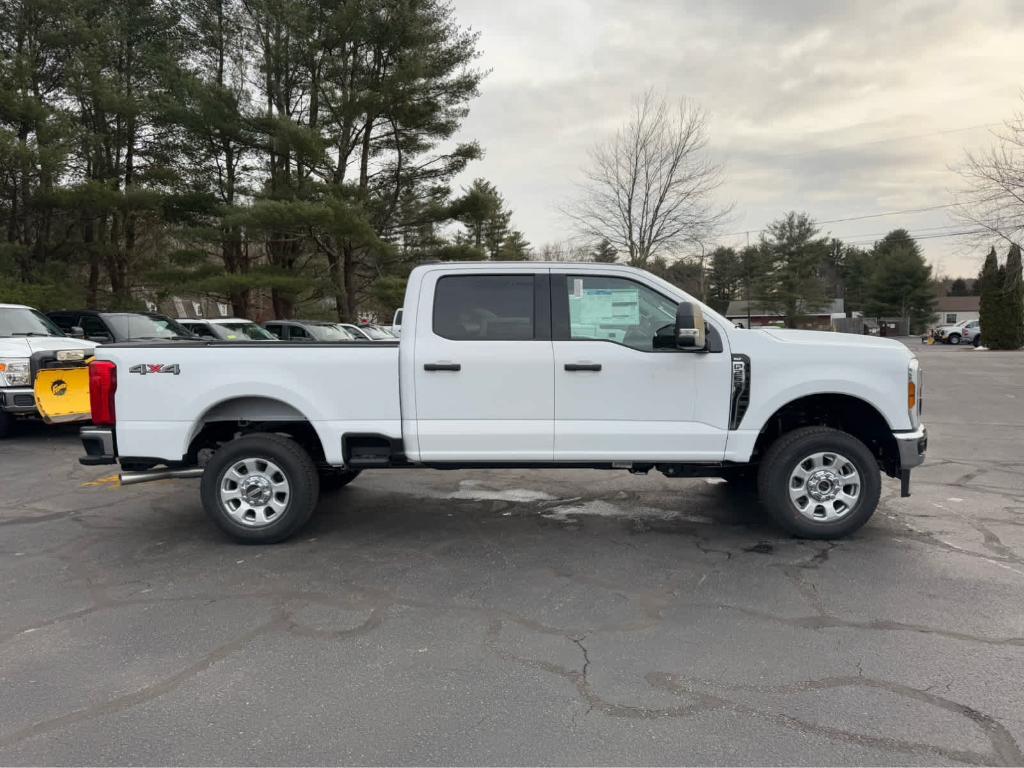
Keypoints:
pixel 819 482
pixel 954 338
pixel 260 488
pixel 977 340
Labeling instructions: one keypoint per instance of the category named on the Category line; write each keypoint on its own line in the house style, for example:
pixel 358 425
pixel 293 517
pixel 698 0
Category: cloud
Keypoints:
pixel 832 108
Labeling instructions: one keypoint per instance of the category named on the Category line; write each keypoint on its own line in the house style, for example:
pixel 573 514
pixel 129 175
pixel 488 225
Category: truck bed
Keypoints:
pixel 338 387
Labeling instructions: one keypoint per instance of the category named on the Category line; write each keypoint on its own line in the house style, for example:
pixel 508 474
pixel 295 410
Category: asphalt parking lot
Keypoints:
pixel 575 617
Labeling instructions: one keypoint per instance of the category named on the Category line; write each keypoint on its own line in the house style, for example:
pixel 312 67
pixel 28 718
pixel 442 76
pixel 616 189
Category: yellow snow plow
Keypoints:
pixel 62 386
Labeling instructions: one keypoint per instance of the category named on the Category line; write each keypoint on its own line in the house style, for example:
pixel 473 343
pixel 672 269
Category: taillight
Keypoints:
pixel 102 386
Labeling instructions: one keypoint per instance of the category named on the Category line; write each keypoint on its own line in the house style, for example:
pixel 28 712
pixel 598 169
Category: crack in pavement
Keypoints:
pixel 149 692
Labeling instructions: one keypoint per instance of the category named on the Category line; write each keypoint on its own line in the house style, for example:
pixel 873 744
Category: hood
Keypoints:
pixel 24 346
pixel 831 338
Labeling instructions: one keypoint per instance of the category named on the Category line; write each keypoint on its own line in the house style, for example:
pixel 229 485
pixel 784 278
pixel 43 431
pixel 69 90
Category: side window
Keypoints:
pixel 484 307
pixel 617 309
pixel 64 322
pixel 298 332
pixel 275 328
pixel 94 327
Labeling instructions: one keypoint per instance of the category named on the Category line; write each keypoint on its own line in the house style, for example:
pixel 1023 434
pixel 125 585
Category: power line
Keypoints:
pixel 860 218
pixel 935 236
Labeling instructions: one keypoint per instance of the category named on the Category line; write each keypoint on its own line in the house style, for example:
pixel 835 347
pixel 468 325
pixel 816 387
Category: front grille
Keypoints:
pixel 26 401
pixel 740 400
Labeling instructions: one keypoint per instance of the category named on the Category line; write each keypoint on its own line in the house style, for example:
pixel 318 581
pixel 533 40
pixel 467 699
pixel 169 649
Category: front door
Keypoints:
pixel 617 396
pixel 483 368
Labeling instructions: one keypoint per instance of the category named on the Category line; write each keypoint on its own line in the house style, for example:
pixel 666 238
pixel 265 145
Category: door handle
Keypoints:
pixel 583 366
pixel 442 367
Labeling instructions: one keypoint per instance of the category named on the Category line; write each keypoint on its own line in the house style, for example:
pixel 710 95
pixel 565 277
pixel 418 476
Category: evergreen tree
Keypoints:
pixel 604 252
pixel 793 255
pixel 990 314
pixel 724 278
pixel 959 287
pixel 902 282
pixel 1013 298
pixel 515 247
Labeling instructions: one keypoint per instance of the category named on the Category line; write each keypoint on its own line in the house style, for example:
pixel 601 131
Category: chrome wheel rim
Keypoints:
pixel 254 492
pixel 824 487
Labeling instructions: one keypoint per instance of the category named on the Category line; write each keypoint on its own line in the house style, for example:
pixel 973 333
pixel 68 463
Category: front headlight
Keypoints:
pixel 14 372
pixel 914 377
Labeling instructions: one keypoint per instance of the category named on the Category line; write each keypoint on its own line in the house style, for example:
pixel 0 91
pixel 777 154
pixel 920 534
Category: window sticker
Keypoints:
pixel 603 312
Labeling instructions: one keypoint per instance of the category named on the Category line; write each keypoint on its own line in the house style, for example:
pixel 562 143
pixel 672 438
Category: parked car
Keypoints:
pixel 108 327
pixel 967 332
pixel 526 366
pixel 28 336
pixel 368 332
pixel 308 330
pixel 227 329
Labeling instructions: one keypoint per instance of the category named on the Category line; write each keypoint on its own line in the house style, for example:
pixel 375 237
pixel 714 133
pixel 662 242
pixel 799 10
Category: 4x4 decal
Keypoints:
pixel 144 368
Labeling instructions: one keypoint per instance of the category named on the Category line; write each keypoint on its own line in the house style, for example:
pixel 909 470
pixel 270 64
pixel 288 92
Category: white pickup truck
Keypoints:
pixel 519 365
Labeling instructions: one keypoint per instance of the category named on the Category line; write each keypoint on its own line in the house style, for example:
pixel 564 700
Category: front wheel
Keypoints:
pixel 6 424
pixel 260 488
pixel 819 483
pixel 977 340
pixel 954 338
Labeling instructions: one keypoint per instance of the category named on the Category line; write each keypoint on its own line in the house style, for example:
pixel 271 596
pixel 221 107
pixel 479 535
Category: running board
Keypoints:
pixel 134 478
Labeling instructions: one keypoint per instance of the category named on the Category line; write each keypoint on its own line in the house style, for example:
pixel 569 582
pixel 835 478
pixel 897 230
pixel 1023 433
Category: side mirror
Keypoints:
pixel 689 328
pixel 76 332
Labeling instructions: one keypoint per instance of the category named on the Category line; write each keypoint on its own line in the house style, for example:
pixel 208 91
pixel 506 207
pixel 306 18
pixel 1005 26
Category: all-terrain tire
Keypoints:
pixel 954 338
pixel 274 465
pixel 791 451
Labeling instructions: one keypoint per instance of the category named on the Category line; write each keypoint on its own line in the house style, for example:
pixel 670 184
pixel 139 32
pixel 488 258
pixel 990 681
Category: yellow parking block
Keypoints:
pixel 62 394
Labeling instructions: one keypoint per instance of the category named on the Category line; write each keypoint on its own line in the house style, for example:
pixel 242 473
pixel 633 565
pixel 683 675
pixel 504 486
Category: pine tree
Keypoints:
pixel 901 285
pixel 794 254
pixel 1013 298
pixel 604 252
pixel 989 313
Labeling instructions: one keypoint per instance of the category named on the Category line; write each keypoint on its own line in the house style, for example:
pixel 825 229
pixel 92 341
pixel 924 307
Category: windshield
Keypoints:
pixel 328 333
pixel 22 321
pixel 375 333
pixel 245 331
pixel 128 326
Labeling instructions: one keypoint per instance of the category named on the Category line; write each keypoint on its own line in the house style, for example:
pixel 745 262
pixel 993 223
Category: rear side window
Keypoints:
pixel 484 307
pixel 275 329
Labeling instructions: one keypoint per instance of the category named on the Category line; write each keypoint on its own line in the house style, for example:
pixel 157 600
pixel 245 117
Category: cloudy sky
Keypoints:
pixel 839 108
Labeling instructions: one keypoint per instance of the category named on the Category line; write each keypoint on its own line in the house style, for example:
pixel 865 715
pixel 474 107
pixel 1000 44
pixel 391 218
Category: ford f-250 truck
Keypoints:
pixel 519 365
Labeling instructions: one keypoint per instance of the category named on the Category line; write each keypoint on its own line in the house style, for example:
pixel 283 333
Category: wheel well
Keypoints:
pixel 247 415
pixel 844 412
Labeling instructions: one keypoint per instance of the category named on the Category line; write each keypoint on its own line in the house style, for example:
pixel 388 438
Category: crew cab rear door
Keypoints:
pixel 483 366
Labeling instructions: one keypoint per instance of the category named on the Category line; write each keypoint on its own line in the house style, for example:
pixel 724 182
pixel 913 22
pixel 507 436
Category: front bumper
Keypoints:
pixel 912 447
pixel 99 444
pixel 17 400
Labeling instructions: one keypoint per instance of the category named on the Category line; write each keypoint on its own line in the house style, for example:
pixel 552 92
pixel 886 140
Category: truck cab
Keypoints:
pixel 525 365
pixel 27 334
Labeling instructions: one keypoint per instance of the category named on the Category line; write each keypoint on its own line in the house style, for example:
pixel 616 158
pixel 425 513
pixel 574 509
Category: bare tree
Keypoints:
pixel 648 189
pixel 992 202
